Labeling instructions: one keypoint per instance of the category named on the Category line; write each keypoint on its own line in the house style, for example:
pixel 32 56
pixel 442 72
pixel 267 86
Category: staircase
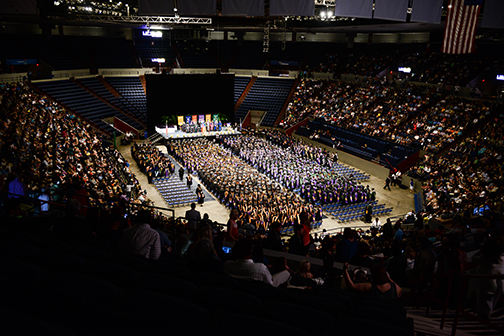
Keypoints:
pixel 430 324
pixel 153 138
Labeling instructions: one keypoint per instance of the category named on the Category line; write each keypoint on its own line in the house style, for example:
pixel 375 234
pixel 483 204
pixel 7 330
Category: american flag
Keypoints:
pixel 460 30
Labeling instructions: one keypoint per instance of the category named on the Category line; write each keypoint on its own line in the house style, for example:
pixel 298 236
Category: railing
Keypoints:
pixel 460 311
pixel 124 72
pixel 12 78
pixel 36 203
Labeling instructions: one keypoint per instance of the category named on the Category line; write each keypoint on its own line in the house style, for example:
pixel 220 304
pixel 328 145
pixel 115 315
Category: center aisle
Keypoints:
pixel 216 211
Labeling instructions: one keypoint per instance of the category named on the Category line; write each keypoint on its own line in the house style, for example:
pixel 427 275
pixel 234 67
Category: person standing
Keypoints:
pixel 232 227
pixel 398 237
pixel 200 194
pixel 193 217
pixel 141 239
pixel 189 180
pixel 393 178
pixel 367 213
pixel 305 230
pixel 387 183
pixel 181 173
pixel 274 240
pixel 398 178
pixel 387 229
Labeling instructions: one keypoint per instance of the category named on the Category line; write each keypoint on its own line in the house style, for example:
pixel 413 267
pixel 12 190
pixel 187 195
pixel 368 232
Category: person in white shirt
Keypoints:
pixel 398 178
pixel 376 224
pixel 245 268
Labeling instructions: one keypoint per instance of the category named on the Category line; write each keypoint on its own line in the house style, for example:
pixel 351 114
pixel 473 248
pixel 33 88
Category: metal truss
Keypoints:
pixel 328 3
pixel 145 19
pixel 266 37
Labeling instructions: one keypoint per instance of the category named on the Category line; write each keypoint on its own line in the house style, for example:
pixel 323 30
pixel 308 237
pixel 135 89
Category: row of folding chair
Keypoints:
pixel 337 206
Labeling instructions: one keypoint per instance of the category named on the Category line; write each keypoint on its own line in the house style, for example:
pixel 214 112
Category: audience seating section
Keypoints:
pixel 266 94
pixel 97 87
pixel 83 102
pixel 240 83
pixel 131 89
pixel 367 147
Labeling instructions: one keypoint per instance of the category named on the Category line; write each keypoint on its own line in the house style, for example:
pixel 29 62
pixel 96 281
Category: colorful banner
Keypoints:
pixel 215 117
pixel 180 120
pixel 194 119
pixel 201 118
pixel 208 117
pixel 187 119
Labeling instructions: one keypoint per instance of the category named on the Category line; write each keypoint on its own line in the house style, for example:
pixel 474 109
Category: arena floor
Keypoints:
pixel 401 200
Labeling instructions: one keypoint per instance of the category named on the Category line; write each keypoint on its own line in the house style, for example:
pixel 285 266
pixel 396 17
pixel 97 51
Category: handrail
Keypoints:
pixel 469 315
pixel 83 206
pixel 225 225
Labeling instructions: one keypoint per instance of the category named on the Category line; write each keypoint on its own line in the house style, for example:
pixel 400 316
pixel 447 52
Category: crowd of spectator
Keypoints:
pixel 373 109
pixel 443 123
pixel 44 146
pixel 444 69
pixel 468 175
pixel 57 165
pixel 427 66
pixel 49 150
pixel 428 121
pixel 330 64
pixel 304 102
pixel 372 63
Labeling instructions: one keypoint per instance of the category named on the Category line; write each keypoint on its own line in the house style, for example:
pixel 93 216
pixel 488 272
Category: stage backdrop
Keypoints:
pixel 188 95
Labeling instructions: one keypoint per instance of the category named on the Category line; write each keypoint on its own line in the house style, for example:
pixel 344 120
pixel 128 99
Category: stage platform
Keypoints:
pixel 173 133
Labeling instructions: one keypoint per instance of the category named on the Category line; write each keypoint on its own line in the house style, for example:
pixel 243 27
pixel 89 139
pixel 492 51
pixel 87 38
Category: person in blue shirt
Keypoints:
pixel 399 232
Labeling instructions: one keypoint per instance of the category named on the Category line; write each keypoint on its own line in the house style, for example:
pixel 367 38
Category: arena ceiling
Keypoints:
pixel 125 14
